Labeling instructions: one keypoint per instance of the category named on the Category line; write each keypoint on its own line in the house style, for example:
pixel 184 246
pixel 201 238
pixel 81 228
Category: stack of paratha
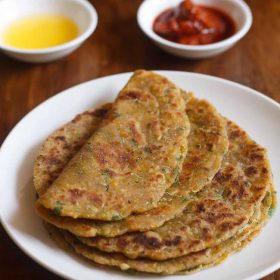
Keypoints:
pixel 155 182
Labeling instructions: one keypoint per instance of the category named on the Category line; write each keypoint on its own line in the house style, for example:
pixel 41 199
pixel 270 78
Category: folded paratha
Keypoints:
pixel 207 145
pixel 213 215
pixel 119 170
pixel 62 145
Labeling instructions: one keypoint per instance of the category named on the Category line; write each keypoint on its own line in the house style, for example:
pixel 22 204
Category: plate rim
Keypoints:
pixel 66 91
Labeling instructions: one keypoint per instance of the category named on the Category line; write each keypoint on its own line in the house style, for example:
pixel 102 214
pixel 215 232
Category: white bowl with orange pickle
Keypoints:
pixel 79 15
pixel 237 10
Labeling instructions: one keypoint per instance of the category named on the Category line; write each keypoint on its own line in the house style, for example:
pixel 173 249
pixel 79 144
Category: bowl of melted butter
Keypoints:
pixel 44 30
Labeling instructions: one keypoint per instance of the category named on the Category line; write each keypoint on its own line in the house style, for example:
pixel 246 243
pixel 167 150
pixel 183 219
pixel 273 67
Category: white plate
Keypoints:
pixel 254 112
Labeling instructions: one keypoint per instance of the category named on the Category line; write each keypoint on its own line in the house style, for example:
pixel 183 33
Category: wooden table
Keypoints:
pixel 117 46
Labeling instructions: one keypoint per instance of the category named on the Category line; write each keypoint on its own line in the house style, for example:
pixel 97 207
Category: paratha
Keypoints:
pixel 183 265
pixel 62 145
pixel 213 215
pixel 185 187
pixel 207 144
pixel 119 170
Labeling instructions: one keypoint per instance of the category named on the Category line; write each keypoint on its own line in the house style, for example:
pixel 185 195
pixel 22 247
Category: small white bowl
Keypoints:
pixel 80 11
pixel 237 9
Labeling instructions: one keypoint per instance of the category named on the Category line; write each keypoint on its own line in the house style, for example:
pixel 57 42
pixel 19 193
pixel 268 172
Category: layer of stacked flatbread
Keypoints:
pixel 186 264
pixel 213 194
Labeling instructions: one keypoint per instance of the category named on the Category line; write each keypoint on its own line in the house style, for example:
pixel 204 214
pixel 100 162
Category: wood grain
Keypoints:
pixel 117 46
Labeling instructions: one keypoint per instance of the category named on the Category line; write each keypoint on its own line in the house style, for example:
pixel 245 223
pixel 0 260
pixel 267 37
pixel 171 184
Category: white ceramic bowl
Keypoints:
pixel 237 9
pixel 80 11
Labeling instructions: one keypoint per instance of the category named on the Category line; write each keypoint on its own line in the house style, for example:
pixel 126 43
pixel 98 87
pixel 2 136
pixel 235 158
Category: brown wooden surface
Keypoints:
pixel 119 46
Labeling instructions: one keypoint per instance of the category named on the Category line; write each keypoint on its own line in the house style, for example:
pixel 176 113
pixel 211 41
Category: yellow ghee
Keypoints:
pixel 40 31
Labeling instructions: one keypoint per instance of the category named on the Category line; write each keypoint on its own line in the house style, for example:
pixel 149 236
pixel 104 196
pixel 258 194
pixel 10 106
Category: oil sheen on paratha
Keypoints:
pixel 207 145
pixel 119 170
pixel 190 263
pixel 213 215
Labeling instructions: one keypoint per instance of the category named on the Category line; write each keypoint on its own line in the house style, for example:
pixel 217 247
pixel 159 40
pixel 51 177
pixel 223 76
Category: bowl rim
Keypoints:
pixel 226 42
pixel 69 44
